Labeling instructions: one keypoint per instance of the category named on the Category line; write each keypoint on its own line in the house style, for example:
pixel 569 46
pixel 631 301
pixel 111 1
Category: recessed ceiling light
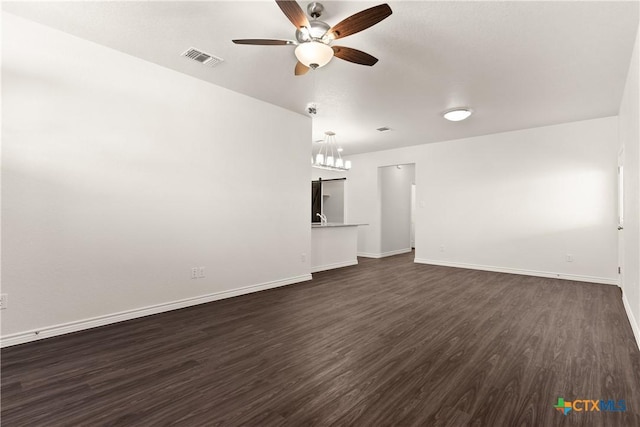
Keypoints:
pixel 457 114
pixel 340 149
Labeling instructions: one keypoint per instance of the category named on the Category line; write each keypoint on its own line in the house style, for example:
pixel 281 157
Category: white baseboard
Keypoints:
pixel 368 255
pixel 65 328
pixel 334 265
pixel 578 278
pixel 384 254
pixel 632 319
pixel 396 252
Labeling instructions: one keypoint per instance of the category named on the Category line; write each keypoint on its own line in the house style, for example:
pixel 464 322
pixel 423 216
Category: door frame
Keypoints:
pixel 620 215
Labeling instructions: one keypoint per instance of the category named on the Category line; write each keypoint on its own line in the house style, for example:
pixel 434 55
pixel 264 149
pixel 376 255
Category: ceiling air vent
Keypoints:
pixel 202 57
pixel 383 129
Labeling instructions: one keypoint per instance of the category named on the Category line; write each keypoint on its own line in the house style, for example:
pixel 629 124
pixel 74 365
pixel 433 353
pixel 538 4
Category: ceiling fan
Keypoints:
pixel 313 38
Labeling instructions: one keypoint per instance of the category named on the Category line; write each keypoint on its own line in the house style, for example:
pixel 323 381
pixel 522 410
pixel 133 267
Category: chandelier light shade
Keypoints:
pixel 314 54
pixel 328 156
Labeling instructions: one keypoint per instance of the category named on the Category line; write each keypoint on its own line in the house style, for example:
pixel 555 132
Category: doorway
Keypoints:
pixel 396 184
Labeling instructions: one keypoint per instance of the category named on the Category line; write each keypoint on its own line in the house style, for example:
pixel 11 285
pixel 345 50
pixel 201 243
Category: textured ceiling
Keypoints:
pixel 518 64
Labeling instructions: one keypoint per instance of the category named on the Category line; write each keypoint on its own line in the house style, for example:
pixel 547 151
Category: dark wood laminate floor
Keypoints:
pixel 387 342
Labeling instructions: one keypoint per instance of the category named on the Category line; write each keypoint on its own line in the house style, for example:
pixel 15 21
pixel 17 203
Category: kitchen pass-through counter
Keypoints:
pixel 333 245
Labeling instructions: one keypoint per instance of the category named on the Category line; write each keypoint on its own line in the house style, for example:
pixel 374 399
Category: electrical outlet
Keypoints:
pixel 441 248
pixel 569 258
pixel 194 273
pixel 303 257
pixel 200 272
pixel 4 301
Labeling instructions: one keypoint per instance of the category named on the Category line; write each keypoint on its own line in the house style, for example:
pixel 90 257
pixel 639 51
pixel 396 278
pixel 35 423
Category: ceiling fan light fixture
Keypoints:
pixel 457 114
pixel 314 54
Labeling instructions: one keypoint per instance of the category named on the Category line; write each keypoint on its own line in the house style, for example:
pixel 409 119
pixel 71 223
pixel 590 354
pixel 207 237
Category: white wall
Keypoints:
pixel 363 200
pixel 516 201
pixel 327 174
pixel 630 139
pixel 115 184
pixel 395 208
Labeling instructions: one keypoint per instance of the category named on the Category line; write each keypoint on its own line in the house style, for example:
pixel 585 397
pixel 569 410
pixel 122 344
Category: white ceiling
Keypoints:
pixel 518 64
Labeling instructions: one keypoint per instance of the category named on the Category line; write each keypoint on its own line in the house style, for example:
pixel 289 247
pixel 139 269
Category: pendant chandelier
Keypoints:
pixel 328 156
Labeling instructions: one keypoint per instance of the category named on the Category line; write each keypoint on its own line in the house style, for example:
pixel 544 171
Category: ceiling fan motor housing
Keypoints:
pixel 315 32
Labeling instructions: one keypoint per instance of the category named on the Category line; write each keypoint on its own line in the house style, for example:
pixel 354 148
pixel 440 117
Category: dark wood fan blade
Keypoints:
pixel 301 69
pixel 354 55
pixel 293 11
pixel 264 42
pixel 360 21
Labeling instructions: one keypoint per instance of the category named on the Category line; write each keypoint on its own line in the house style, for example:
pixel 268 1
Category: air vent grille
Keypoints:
pixel 202 57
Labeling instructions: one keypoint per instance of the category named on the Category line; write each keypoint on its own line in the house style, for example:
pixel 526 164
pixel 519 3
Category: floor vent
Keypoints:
pixel 202 57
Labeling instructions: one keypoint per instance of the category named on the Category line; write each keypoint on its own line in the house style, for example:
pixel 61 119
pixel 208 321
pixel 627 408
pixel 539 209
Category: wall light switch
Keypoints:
pixel 200 272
